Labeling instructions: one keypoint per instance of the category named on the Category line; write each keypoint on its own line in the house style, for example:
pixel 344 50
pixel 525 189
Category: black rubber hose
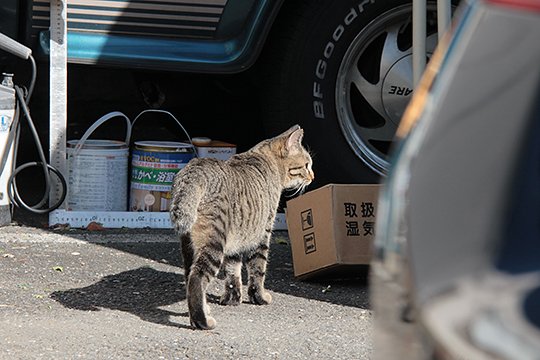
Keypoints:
pixel 13 192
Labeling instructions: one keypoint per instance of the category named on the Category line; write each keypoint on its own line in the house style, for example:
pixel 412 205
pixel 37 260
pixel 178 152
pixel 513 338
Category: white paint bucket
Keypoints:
pixel 98 171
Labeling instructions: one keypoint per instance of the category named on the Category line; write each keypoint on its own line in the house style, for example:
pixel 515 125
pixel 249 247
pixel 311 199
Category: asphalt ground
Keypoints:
pixel 121 295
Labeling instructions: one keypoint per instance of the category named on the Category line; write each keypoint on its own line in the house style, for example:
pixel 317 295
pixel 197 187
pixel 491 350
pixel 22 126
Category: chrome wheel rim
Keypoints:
pixel 372 95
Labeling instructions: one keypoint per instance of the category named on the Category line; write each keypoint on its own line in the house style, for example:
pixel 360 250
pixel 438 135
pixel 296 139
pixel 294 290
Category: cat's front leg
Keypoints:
pixel 256 267
pixel 232 294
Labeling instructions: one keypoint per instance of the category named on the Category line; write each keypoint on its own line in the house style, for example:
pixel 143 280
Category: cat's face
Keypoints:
pixel 299 171
pixel 297 161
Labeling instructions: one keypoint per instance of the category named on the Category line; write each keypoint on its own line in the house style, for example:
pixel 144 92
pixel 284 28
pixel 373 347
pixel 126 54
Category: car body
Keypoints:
pixel 216 36
pixel 456 271
pixel 340 68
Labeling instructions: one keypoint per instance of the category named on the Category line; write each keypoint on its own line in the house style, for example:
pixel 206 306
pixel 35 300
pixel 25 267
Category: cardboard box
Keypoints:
pixel 332 229
pixel 215 149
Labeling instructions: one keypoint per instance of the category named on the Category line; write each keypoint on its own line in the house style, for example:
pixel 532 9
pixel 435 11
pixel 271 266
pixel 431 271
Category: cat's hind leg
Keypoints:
pixel 187 253
pixel 206 264
pixel 232 294
pixel 256 267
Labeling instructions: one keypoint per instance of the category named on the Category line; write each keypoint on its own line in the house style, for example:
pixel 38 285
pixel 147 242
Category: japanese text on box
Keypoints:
pixel 366 222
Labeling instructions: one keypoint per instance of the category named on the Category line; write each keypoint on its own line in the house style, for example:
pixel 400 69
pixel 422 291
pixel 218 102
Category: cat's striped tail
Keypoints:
pixel 186 196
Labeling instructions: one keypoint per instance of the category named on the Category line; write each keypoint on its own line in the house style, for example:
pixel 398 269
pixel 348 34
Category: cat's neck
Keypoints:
pixel 269 158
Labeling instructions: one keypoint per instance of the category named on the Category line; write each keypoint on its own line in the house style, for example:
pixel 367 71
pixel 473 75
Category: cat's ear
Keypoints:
pixel 291 130
pixel 294 141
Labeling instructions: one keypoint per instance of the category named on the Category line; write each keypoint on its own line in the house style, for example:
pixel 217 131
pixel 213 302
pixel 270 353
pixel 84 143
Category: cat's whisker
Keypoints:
pixel 298 191
pixel 301 189
pixel 289 193
pixel 292 192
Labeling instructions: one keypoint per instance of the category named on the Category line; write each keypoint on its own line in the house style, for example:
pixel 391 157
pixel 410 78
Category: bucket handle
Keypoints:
pixel 162 112
pixel 98 123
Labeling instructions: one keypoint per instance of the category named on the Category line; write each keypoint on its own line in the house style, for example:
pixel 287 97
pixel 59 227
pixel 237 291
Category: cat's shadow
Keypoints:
pixel 142 292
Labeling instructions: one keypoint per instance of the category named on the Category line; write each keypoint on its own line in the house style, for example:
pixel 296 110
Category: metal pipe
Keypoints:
pixel 419 39
pixel 444 13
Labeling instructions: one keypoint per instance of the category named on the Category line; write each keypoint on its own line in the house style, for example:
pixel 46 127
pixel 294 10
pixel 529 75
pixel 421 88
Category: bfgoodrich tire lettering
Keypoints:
pixel 328 52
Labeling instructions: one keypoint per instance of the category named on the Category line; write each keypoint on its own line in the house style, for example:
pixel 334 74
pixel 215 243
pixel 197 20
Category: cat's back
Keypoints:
pixel 200 169
pixel 239 169
pixel 250 164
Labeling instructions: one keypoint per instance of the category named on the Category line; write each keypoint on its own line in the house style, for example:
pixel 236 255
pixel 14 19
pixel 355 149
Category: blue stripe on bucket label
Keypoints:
pixel 157 168
pixel 161 157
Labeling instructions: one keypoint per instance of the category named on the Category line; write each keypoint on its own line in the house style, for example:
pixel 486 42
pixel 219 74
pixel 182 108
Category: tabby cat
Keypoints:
pixel 224 211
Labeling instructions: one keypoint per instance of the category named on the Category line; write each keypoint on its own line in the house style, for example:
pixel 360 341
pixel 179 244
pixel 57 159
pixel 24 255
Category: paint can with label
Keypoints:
pixel 153 167
pixel 98 171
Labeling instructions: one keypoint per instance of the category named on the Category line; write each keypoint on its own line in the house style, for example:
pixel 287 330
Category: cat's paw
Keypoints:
pixel 262 297
pixel 208 323
pixel 231 296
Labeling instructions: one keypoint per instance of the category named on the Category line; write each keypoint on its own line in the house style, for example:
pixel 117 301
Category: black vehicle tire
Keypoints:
pixel 301 62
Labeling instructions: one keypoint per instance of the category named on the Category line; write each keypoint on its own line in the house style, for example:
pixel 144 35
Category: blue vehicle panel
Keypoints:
pixel 205 36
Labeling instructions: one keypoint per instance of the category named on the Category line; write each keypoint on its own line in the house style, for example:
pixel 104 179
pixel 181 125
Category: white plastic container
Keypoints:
pixel 98 171
pixel 7 113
